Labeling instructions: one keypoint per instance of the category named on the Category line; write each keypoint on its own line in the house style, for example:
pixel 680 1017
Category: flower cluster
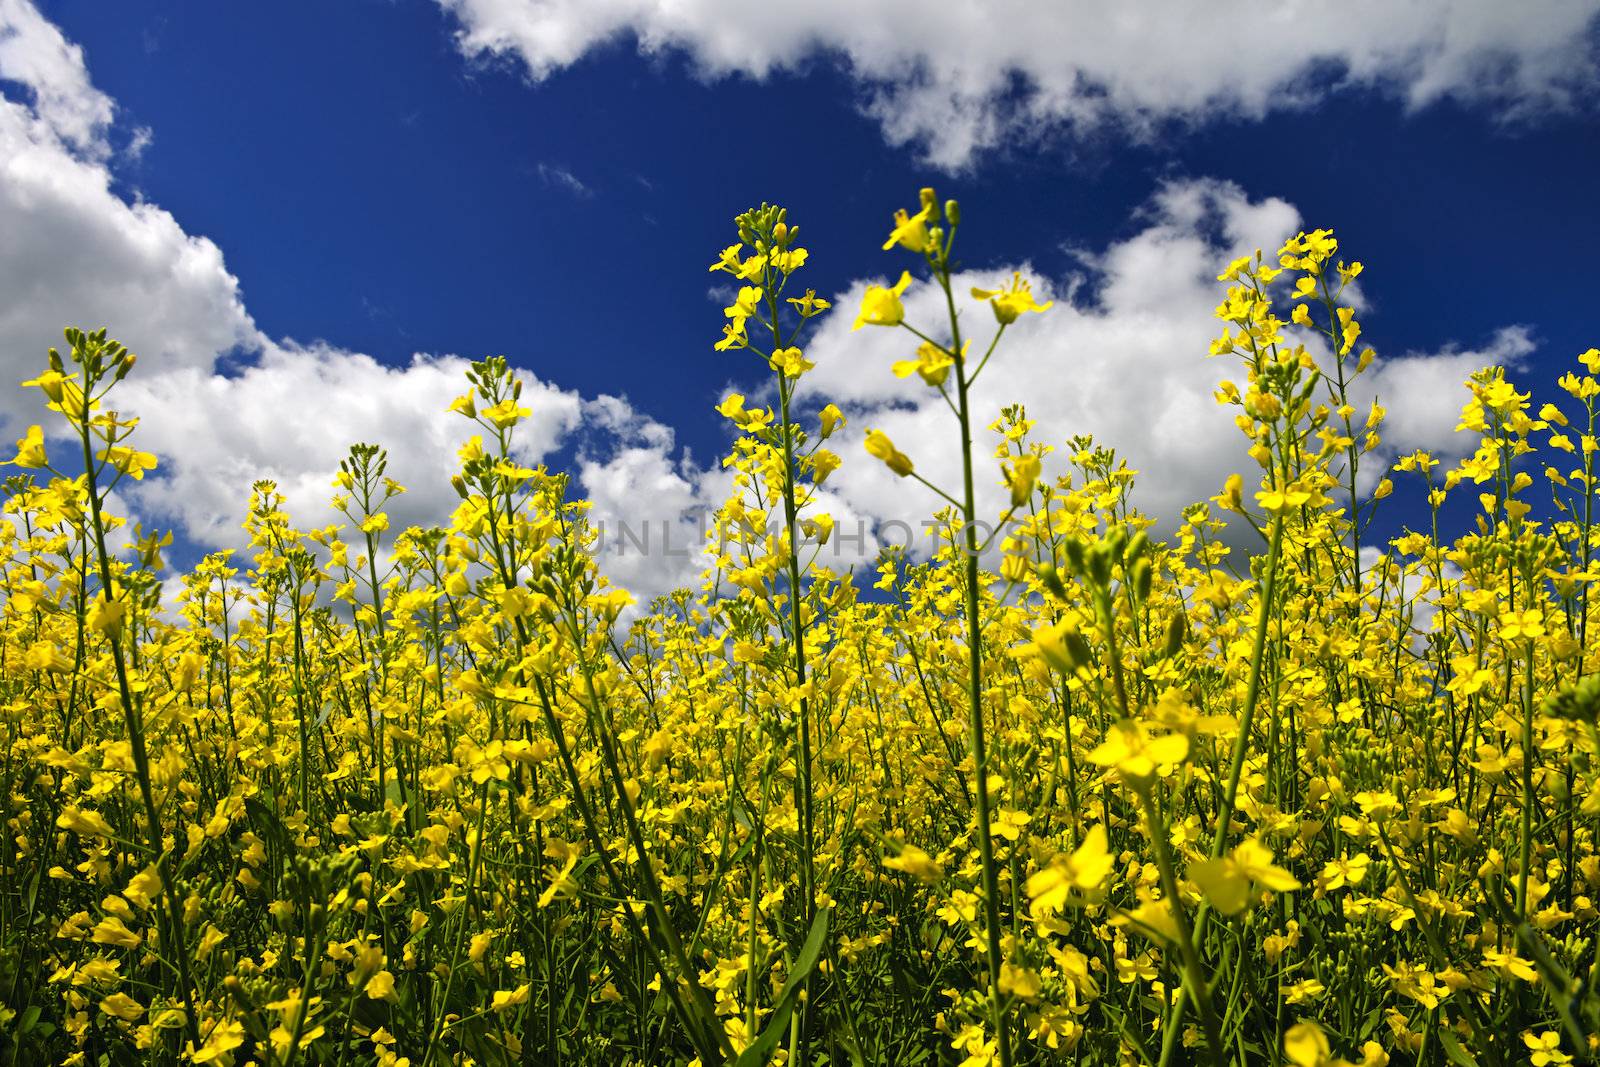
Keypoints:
pixel 1260 789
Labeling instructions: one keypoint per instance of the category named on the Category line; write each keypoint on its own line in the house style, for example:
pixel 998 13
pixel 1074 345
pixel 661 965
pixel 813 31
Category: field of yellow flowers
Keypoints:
pixel 437 796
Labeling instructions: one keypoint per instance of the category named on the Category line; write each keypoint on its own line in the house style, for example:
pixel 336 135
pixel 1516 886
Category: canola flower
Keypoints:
pixel 362 794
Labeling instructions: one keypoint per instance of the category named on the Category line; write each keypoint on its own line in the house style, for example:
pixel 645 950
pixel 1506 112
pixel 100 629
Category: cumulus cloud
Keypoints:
pixel 219 433
pixel 956 78
pixel 35 55
pixel 1121 356
pixel 76 252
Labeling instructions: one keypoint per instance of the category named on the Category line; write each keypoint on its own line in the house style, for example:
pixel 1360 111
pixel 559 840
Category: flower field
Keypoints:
pixel 1249 785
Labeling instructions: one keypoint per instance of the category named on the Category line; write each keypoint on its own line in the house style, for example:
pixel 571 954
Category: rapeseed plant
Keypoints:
pixel 440 795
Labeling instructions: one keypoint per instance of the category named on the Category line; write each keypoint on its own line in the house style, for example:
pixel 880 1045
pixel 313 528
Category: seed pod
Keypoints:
pixel 1141 574
pixel 1177 633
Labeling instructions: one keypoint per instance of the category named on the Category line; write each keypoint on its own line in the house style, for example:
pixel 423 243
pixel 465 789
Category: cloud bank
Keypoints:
pixel 956 78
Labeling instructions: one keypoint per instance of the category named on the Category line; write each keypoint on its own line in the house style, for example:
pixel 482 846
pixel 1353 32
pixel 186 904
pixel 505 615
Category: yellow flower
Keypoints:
pixel 1344 871
pixel 112 931
pixel 1136 756
pixel 107 616
pixel 831 418
pixel 144 887
pixel 744 305
pixel 879 445
pixel 506 999
pixel 122 1006
pixel 932 364
pixel 506 413
pixel 910 231
pixel 84 823
pixel 130 462
pixel 1527 624
pixel 380 986
pixel 1010 303
pixel 1022 476
pixel 1227 881
pixel 1546 1048
pixel 789 362
pixel 30 450
pixel 1009 824
pixel 915 862
pixel 1510 965
pixel 882 307
pixel 221 1038
pixel 1305 1045
pixel 52 384
pixel 810 304
pixel 1062 646
pixel 1083 872
pixel 728 261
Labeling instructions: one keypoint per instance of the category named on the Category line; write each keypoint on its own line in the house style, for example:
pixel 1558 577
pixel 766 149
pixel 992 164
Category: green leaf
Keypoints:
pixel 763 1047
pixel 1453 1050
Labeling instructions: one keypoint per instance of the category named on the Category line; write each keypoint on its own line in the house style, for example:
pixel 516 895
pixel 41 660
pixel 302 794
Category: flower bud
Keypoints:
pixel 1051 579
pixel 1141 574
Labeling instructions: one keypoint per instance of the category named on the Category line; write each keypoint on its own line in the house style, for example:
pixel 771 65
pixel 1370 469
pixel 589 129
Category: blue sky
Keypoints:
pixel 377 178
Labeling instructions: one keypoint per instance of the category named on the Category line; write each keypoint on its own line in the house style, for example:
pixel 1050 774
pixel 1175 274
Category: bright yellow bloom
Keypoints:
pixel 879 445
pixel 910 231
pixel 882 307
pixel 1083 872
pixel 789 362
pixel 1546 1049
pixel 744 305
pixel 220 1039
pixel 1528 625
pixel 30 449
pixel 506 999
pixel 915 862
pixel 1305 1045
pixel 1022 476
pixel 506 413
pixel 122 1006
pixel 1010 302
pixel 380 986
pixel 1136 756
pixel 831 418
pixel 86 823
pixel 932 364
pixel 129 461
pixel 1227 881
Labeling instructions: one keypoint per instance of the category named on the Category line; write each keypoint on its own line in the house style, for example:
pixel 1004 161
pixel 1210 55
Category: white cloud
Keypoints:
pixel 563 179
pixel 1123 359
pixel 292 416
pixel 33 53
pixel 74 251
pixel 956 78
